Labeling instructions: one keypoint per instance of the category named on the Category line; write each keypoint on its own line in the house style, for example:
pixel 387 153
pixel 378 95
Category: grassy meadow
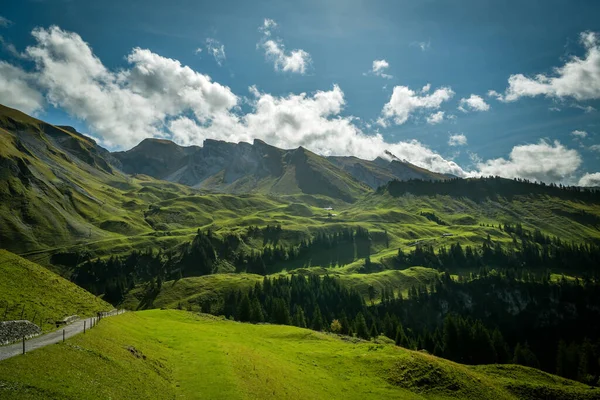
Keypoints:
pixel 29 291
pixel 172 354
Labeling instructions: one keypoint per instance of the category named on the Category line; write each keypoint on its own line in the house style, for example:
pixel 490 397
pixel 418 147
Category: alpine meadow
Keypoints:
pixel 299 241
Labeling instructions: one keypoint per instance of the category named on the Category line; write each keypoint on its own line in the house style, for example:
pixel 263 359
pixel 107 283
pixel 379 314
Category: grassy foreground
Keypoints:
pixel 166 354
pixel 32 292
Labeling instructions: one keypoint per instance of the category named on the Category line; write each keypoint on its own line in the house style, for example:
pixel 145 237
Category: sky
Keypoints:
pixel 467 87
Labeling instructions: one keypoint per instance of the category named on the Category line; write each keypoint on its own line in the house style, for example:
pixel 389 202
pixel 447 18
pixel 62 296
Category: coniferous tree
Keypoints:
pixel 256 313
pixel 299 319
pixel 361 327
pixel 500 347
pixel 317 321
pixel 373 332
pixel 244 309
pixel 524 356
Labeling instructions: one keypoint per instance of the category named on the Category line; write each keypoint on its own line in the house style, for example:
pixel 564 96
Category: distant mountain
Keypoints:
pixel 242 168
pixel 380 171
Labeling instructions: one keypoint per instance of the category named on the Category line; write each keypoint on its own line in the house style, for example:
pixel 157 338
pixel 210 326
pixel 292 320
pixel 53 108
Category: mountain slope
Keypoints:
pixel 58 187
pixel 183 355
pixel 380 171
pixel 241 168
pixel 29 291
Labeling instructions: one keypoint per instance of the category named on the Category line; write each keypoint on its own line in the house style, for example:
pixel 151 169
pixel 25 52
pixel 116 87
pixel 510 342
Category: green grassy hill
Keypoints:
pixel 33 292
pixel 191 292
pixel 176 354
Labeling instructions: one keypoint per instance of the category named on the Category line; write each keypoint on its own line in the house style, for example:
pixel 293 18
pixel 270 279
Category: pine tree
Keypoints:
pixel 361 327
pixel 244 309
pixel 256 313
pixel 317 321
pixel 401 338
pixel 373 332
pixel 299 319
pixel 524 356
pixel 500 347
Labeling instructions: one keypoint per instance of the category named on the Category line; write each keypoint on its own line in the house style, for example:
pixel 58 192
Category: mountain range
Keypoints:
pixel 259 167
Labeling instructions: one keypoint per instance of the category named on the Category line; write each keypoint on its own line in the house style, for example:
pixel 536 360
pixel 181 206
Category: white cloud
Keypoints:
pixel 424 46
pixel 586 109
pixel 216 49
pixel 379 67
pixel 578 78
pixel 590 180
pixel 295 61
pixel 9 47
pixel 426 88
pixel 579 134
pixel 17 89
pixel 125 106
pixel 457 140
pixel 198 50
pixel 405 101
pixel 595 147
pixel 158 97
pixel 473 103
pixel 548 162
pixel 4 22
pixel 435 118
pixel 312 121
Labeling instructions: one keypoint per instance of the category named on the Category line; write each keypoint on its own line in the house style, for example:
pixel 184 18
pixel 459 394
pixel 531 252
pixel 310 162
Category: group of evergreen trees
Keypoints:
pixel 530 251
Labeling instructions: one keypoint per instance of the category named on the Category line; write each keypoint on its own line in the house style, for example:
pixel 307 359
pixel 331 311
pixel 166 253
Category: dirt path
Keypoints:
pixel 50 338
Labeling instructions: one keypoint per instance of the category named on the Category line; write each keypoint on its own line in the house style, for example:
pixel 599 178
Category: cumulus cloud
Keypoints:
pixel 295 61
pixel 312 121
pixel 579 134
pixel 592 180
pixel 125 106
pixel 379 67
pixel 473 103
pixel 595 147
pixel 17 89
pixel 578 78
pixel 457 140
pixel 544 161
pixel 155 96
pixel 405 101
pixel 435 118
pixel 216 49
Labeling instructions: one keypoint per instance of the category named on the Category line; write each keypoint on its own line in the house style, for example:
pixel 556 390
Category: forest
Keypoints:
pixel 491 304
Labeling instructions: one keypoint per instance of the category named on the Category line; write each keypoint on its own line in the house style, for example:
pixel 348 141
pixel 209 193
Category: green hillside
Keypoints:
pixel 175 354
pixel 32 292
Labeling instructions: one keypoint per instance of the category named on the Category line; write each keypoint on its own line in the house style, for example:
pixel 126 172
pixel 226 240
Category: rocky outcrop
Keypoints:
pixel 11 331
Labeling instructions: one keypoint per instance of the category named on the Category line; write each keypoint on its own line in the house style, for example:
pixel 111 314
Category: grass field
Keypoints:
pixel 175 354
pixel 29 291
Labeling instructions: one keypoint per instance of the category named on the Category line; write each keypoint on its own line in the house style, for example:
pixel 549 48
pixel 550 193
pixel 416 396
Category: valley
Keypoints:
pixel 254 272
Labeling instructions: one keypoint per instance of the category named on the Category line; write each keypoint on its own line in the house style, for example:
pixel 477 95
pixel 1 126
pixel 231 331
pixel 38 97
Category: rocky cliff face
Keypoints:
pixel 240 168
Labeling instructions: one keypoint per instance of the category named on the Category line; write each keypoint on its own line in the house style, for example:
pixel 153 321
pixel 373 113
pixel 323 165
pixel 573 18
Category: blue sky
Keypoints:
pixel 86 72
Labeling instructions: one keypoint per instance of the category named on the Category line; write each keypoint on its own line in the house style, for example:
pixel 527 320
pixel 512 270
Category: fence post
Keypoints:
pixel 84 326
pixel 22 311
pixel 63 335
pixel 23 344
